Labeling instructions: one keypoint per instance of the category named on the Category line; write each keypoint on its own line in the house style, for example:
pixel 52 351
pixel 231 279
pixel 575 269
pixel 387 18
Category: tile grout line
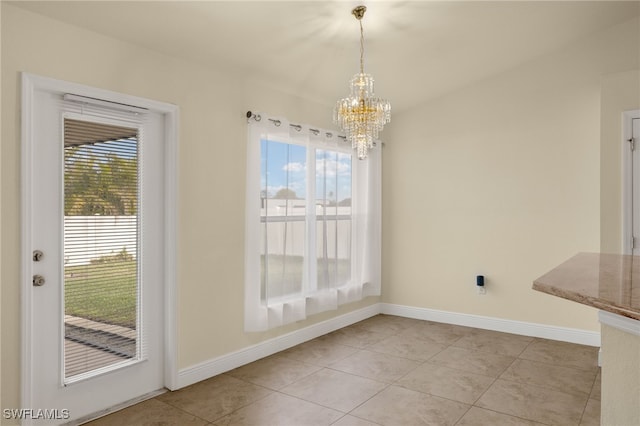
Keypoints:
pixel 489 387
pixel 535 385
pixel 422 362
pixel 388 385
pixel 464 414
pixel 271 391
pixel 395 382
pixel 514 415
pixel 280 391
pixel 595 379
pixel 182 410
pixel 543 386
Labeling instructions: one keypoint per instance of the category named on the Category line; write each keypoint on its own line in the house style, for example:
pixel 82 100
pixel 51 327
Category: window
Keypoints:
pixel 312 224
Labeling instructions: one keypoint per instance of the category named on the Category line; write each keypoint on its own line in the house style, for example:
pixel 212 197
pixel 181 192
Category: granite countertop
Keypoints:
pixel 610 282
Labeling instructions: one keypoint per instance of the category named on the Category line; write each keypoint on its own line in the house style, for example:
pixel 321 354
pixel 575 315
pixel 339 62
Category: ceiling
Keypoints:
pixel 416 50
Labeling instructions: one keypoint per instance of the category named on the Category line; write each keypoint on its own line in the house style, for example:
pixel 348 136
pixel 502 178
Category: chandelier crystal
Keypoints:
pixel 362 115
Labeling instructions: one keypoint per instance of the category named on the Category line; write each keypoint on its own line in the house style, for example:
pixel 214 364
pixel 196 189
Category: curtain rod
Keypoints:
pixel 257 117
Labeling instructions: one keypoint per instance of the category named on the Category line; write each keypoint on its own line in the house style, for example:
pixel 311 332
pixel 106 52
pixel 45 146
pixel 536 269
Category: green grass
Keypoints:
pixel 104 292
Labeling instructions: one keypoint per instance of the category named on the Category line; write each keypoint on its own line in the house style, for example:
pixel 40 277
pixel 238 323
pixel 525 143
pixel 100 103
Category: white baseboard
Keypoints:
pixel 572 335
pixel 224 363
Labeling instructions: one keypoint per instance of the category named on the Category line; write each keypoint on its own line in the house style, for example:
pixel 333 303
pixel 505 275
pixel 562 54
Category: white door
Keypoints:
pixel 635 145
pixel 96 237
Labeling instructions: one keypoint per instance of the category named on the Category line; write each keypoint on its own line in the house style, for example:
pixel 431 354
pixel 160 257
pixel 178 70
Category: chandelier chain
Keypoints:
pixel 361 47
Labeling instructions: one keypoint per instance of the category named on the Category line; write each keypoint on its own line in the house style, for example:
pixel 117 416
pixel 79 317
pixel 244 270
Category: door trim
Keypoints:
pixel 627 179
pixel 31 83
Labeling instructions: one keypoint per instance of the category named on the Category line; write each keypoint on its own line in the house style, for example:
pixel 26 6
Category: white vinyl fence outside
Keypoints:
pixel 92 237
pixel 283 224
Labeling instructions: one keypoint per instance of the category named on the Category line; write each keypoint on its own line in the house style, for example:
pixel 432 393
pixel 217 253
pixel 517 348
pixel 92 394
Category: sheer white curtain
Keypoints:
pixel 312 235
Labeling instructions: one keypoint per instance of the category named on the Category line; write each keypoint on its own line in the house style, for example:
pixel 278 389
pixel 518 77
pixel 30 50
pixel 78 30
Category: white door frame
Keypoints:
pixel 31 83
pixel 627 179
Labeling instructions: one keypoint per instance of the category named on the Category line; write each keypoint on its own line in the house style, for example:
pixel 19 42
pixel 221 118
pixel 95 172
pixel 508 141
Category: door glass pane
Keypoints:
pixel 101 272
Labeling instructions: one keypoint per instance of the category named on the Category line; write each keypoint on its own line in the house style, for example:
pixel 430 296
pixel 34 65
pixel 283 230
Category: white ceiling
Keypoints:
pixel 416 50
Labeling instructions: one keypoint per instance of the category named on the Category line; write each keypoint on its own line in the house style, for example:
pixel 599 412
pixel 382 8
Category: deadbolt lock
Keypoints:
pixel 37 255
pixel 38 280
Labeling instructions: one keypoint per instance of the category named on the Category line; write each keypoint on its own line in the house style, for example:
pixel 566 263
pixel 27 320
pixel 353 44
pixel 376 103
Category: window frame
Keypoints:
pixel 262 314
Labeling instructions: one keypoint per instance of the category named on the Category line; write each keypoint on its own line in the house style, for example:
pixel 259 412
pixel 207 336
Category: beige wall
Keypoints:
pixel 502 179
pixel 620 92
pixel 211 171
pixel 0 217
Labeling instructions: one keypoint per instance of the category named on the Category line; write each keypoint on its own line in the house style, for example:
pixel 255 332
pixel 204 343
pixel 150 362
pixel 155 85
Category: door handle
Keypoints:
pixel 38 280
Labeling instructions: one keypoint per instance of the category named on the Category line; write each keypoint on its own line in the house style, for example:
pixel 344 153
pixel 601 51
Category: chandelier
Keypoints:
pixel 361 116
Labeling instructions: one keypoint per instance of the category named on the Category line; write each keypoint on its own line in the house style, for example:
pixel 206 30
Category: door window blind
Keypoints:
pixel 101 273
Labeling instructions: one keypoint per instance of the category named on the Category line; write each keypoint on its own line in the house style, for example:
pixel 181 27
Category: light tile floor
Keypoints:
pixel 393 371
